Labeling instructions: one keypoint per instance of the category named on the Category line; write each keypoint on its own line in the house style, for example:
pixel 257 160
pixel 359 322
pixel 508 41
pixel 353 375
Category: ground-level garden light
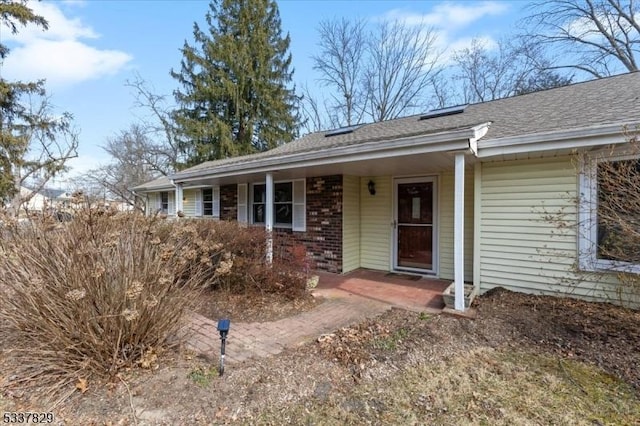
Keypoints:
pixel 223 328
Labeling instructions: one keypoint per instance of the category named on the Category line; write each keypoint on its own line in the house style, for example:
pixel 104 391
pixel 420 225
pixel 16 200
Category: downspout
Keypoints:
pixel 458 217
pixel 477 206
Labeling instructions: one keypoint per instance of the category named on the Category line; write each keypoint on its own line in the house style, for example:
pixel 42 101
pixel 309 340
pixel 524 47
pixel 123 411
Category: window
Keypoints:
pixel 258 202
pixel 283 203
pixel 164 202
pixel 610 215
pixel 207 202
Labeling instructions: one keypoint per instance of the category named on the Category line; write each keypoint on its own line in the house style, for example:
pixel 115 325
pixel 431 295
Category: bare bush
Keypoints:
pixel 608 225
pixel 617 209
pixel 247 272
pixel 96 294
pixel 105 291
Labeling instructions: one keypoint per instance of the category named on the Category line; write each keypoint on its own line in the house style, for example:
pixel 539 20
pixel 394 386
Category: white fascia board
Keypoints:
pixel 437 142
pixel 557 140
pixel 152 189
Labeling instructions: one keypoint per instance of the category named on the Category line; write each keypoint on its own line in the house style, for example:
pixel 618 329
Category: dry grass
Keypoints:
pixel 481 387
pixel 522 361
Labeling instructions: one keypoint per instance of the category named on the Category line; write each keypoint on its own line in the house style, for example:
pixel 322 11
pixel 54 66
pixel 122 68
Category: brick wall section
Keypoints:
pixel 323 238
pixel 229 202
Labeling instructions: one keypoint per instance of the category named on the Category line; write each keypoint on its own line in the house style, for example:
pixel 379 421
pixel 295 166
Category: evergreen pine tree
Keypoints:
pixel 235 95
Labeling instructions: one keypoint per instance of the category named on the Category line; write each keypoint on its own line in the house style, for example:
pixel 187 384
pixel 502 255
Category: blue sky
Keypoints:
pixel 93 46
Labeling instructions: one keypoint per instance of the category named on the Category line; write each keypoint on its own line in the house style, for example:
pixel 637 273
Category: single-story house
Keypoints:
pixel 37 200
pixel 461 193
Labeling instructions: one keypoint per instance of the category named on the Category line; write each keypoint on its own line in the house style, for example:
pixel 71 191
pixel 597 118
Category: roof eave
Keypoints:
pixel 576 138
pixel 151 188
pixel 456 140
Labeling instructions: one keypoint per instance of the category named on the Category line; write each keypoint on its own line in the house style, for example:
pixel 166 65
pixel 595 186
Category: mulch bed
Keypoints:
pixel 256 307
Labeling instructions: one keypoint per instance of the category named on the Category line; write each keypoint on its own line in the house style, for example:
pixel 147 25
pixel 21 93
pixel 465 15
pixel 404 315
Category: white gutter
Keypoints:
pixel 456 140
pixel 556 140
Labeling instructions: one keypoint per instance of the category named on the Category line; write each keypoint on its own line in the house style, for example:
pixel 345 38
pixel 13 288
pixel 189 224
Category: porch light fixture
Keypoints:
pixel 372 187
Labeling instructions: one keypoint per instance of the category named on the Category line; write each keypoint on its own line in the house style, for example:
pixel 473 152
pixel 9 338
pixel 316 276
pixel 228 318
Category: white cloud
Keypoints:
pixel 448 20
pixel 464 43
pixel 59 54
pixel 449 15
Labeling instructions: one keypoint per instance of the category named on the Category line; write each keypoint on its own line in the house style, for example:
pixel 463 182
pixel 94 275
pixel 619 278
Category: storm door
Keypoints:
pixel 414 224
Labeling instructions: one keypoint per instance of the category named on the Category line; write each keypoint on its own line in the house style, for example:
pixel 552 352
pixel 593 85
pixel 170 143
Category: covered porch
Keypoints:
pixel 404 206
pixel 411 292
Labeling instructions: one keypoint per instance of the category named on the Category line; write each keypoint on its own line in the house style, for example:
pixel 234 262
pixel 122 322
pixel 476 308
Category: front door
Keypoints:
pixel 414 221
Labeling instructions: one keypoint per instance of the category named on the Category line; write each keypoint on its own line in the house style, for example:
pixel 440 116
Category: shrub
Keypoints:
pixel 248 271
pixel 106 290
pixel 98 293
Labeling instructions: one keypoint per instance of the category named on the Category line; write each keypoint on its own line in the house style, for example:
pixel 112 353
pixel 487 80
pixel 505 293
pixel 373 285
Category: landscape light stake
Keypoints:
pixel 223 328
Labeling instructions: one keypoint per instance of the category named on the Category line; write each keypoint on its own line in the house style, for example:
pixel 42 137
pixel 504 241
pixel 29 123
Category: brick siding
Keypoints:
pixel 323 238
pixel 229 202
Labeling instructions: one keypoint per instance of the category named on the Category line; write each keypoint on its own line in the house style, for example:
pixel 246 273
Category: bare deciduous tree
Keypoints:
pixel 340 64
pixel 402 63
pixel 598 37
pixel 509 69
pixel 377 74
pixel 163 152
pixel 132 164
pixel 318 114
pixel 35 145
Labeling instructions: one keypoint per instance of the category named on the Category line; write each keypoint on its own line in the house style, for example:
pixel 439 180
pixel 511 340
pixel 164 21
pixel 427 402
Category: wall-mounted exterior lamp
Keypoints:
pixel 372 187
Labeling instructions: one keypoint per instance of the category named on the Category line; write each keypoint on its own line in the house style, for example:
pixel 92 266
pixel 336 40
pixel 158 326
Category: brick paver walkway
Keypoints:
pixel 269 338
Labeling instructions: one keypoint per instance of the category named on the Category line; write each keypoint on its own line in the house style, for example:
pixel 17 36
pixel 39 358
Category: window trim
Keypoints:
pixel 210 203
pixel 162 203
pixel 588 217
pixel 251 204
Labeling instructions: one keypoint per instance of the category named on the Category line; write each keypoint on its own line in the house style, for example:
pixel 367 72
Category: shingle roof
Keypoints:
pixel 159 183
pixel 605 101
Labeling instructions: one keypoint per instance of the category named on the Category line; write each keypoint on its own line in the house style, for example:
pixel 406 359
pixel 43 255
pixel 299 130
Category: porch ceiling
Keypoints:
pixel 407 165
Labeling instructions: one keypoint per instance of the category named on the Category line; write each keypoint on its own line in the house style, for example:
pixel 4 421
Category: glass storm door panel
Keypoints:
pixel 414 232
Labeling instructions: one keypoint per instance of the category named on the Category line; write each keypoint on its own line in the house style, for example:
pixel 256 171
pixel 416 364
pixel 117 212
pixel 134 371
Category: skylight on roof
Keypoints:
pixel 342 130
pixel 441 112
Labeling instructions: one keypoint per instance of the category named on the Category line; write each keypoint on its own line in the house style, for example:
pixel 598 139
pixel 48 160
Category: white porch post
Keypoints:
pixel 458 233
pixel 179 197
pixel 268 216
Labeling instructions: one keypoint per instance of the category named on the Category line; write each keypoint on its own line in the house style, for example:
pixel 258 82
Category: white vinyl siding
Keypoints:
pixel 445 224
pixel 519 248
pixel 375 223
pixel 350 223
pixel 189 204
pixel 242 203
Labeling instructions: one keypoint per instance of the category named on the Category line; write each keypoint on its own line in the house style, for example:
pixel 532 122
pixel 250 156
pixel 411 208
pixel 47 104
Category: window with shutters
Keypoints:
pixel 285 208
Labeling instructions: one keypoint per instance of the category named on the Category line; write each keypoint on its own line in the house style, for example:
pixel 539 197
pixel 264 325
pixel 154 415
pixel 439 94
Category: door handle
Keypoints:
pixel 394 224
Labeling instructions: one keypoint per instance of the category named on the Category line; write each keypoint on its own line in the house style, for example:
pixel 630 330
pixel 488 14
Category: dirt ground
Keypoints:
pixel 397 368
pixel 253 308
